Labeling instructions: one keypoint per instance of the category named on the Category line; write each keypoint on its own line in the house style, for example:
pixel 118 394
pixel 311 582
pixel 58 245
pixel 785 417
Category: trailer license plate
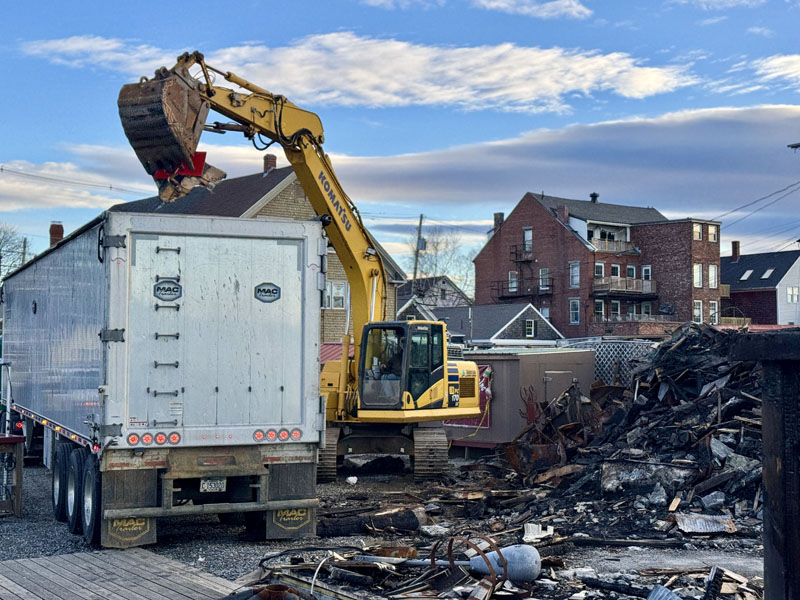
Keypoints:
pixel 213 484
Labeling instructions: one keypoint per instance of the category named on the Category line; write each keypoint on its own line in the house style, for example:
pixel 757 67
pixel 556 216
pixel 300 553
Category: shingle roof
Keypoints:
pixel 487 319
pixel 601 211
pixel 732 272
pixel 229 198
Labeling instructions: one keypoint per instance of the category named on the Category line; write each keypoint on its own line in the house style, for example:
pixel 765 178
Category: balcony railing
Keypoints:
pixel 522 252
pixel 537 287
pixel 624 284
pixel 629 318
pixel 611 245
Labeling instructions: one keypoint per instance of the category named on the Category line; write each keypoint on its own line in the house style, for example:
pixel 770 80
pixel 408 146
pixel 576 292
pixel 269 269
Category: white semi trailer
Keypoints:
pixel 172 365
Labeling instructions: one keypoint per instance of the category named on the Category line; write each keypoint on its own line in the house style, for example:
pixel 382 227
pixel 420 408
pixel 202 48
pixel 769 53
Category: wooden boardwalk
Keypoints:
pixel 134 574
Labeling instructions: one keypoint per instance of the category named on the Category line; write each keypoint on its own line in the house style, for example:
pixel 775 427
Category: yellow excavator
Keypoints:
pixel 400 382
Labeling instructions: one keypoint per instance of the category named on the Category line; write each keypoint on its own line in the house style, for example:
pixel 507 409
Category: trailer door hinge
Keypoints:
pixel 112 335
pixel 114 241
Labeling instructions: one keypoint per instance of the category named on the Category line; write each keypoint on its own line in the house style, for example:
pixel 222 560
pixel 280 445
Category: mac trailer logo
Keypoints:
pixel 167 290
pixel 268 292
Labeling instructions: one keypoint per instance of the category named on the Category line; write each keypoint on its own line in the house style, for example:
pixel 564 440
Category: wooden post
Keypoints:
pixel 779 353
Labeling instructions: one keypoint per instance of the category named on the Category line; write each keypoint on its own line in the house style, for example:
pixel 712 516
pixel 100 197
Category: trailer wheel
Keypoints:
pixel 74 487
pixel 59 487
pixel 90 500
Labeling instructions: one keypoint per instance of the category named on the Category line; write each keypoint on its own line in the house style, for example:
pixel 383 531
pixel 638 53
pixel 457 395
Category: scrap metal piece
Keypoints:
pixel 692 523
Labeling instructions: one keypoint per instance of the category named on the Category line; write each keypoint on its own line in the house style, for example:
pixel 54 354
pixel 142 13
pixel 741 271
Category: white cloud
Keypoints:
pixel 350 70
pixel 553 9
pixel 712 20
pixel 762 31
pixel 721 4
pixel 784 67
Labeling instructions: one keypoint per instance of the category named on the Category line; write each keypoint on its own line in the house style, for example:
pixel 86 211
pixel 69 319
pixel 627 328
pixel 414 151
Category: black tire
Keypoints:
pixel 59 483
pixel 91 500
pixel 74 487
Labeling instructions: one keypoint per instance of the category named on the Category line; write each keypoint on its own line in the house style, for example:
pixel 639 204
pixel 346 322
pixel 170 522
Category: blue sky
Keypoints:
pixel 451 108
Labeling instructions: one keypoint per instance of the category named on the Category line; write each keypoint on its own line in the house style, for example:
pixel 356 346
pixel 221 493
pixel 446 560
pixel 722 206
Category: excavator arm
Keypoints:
pixel 175 104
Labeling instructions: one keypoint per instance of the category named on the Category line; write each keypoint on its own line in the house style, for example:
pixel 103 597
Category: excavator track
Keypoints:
pixel 326 465
pixel 430 453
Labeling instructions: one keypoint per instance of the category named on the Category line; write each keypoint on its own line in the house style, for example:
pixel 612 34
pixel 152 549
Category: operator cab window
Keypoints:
pixel 382 367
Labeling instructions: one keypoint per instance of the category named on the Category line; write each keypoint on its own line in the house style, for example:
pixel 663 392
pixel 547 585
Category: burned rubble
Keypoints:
pixel 672 463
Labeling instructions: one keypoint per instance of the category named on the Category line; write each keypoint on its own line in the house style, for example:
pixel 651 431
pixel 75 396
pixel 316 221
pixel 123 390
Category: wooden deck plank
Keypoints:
pixel 23 581
pixel 86 571
pixel 216 584
pixel 113 581
pixel 154 570
pixel 49 581
pixel 131 580
pixel 9 587
pixel 70 578
pixel 67 584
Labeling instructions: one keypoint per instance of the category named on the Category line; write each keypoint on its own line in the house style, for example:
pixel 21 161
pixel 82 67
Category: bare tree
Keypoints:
pixel 445 254
pixel 11 249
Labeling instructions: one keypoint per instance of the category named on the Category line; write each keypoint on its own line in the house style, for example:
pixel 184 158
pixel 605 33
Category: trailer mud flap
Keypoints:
pixel 128 532
pixel 291 523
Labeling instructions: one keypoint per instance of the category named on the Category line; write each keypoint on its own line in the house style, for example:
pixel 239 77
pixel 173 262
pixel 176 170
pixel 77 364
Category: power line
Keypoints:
pixel 72 182
pixel 762 207
pixel 733 210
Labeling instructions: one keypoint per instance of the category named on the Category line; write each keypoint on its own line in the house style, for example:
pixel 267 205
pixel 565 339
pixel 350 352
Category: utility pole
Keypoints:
pixel 416 256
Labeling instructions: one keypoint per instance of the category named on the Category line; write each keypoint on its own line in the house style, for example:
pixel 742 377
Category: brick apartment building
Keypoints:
pixel 594 268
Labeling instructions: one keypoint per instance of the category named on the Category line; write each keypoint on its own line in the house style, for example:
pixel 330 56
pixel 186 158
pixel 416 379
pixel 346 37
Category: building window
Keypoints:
pixel 713 233
pixel 767 273
pixel 599 269
pixel 631 309
pixel 615 270
pixel 544 279
pixel 527 239
pixel 630 271
pixel 574 274
pixel 697 311
pixel 746 275
pixel 647 309
pixel 513 281
pixel 574 311
pixel 697 231
pixel 530 328
pixel 713 310
pixel 615 308
pixel 599 310
pixel 792 294
pixel 442 294
pixel 335 294
pixel 713 279
pixel 647 272
pixel 545 312
pixel 697 272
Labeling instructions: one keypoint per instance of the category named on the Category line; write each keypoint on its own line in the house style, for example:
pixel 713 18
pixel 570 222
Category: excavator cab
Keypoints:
pixel 400 362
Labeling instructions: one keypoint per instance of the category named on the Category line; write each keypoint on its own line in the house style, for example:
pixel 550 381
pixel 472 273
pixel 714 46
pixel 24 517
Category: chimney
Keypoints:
pixel 594 196
pixel 270 162
pixel 563 214
pixel 735 251
pixel 498 220
pixel 56 232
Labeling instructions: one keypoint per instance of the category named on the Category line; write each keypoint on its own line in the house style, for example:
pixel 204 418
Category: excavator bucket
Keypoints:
pixel 163 119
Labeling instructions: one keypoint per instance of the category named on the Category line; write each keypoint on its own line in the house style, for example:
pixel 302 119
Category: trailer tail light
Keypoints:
pixel 284 435
pixel 258 435
pixel 174 437
pixel 272 435
pixel 133 439
pixel 161 439
pixel 18 425
pixel 296 434
pixel 147 439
